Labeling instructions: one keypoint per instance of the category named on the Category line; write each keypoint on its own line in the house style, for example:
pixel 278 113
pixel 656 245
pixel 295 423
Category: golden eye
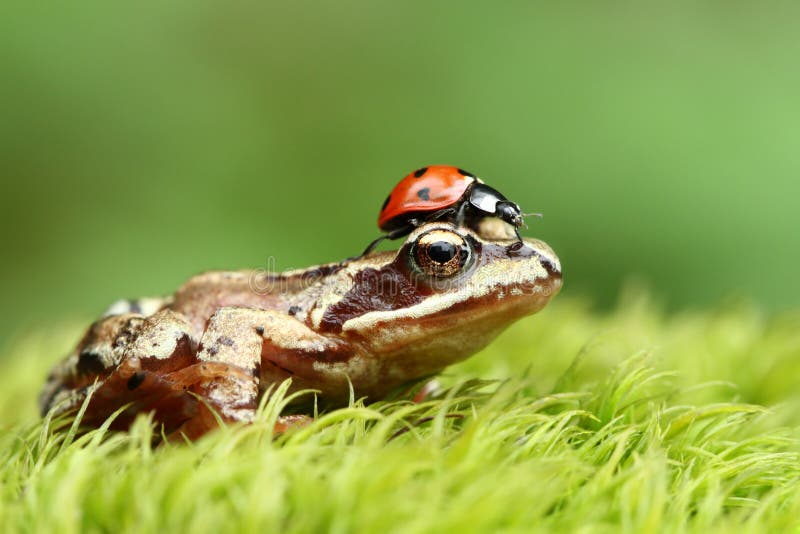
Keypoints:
pixel 440 253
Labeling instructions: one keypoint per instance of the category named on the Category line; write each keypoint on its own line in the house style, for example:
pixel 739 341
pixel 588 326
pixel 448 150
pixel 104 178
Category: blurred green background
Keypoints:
pixel 143 143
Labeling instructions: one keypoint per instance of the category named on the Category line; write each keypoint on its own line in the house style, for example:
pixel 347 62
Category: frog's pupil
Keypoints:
pixel 441 251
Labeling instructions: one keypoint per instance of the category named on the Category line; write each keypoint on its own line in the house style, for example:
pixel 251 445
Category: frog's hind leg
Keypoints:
pixel 225 377
pixel 155 364
pixel 126 360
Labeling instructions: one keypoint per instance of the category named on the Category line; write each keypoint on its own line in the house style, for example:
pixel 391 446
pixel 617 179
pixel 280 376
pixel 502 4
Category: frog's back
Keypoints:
pixel 202 295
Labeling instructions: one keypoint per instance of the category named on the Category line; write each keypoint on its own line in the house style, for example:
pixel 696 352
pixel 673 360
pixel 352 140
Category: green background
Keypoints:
pixel 142 143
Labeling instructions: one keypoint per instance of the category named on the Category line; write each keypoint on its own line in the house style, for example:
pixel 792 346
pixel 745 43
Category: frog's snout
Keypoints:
pixel 538 250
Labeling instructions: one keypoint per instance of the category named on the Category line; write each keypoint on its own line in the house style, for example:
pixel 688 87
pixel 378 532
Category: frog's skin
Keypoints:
pixel 380 322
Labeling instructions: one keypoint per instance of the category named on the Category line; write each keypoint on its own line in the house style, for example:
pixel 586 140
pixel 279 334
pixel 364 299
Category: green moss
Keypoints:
pixel 630 419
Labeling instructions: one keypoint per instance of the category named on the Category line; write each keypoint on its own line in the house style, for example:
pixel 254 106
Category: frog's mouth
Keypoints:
pixel 411 346
pixel 493 310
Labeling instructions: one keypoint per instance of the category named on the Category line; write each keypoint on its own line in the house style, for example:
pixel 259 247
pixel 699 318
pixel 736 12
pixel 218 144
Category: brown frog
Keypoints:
pixel 377 322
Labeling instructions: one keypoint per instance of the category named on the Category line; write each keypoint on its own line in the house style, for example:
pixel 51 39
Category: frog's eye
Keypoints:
pixel 440 253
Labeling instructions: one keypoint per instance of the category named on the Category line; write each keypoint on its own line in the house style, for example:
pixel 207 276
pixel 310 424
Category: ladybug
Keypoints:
pixel 442 192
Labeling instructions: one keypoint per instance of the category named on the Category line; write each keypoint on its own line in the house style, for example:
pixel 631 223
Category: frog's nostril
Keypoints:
pixel 515 247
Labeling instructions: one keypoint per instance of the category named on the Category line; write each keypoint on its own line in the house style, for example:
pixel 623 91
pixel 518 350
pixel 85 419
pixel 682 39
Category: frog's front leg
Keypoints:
pixel 265 347
pixel 230 339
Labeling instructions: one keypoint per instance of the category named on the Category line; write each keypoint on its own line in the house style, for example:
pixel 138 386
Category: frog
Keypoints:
pixel 362 328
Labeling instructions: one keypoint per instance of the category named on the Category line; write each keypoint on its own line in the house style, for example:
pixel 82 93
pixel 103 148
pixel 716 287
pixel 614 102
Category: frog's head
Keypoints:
pixel 441 297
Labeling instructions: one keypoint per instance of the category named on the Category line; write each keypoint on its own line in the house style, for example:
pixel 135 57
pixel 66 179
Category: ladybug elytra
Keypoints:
pixel 442 192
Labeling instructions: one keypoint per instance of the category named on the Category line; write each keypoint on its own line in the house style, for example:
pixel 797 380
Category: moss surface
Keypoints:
pixel 572 420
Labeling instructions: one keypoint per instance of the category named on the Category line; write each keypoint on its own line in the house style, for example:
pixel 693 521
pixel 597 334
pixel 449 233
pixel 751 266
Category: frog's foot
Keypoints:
pixel 199 425
pixel 289 422
pixel 428 391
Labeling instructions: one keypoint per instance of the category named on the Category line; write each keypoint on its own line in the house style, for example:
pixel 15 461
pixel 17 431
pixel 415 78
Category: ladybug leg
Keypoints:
pixel 456 216
pixel 447 214
pixel 461 214
pixel 394 234
pixel 519 237
pixel 404 231
pixel 370 247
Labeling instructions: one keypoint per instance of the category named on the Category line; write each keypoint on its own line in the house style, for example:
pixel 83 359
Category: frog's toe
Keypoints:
pixel 141 391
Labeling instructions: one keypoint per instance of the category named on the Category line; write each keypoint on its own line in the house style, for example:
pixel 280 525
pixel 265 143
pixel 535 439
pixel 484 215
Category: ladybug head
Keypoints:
pixel 509 212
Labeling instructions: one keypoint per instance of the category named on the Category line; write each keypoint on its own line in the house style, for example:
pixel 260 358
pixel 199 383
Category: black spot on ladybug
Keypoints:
pixel 135 380
pixel 386 202
pixel 424 193
pixel 419 172
pixel 462 172
pixel 293 310
pixel 260 330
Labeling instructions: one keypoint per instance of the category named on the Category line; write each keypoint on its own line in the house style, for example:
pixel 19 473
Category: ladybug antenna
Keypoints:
pixel 523 215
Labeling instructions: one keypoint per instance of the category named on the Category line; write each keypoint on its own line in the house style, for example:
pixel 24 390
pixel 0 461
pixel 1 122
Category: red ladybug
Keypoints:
pixel 442 192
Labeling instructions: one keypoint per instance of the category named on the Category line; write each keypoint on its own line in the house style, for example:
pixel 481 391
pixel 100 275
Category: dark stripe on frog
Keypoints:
pixel 550 266
pixel 284 369
pixel 382 289
pixel 225 340
pixel 90 362
pixel 391 287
